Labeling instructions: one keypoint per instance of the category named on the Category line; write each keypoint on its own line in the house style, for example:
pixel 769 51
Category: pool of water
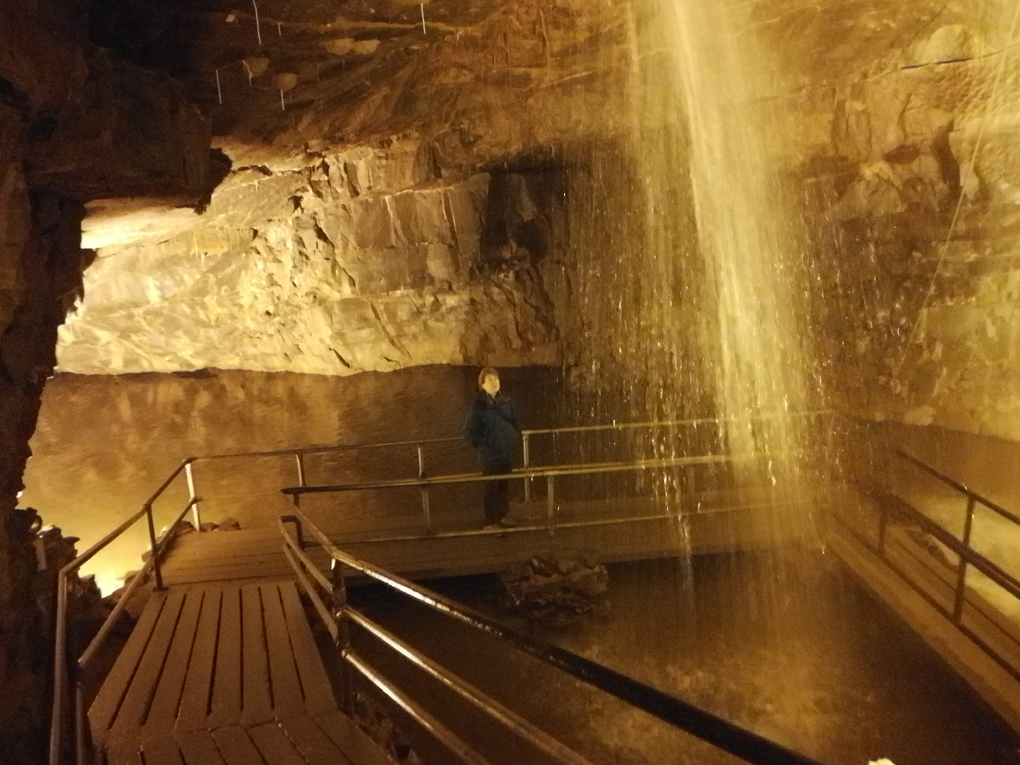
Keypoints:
pixel 821 667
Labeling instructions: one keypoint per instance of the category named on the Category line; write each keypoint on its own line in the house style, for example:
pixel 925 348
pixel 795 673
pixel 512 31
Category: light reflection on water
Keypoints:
pixel 105 443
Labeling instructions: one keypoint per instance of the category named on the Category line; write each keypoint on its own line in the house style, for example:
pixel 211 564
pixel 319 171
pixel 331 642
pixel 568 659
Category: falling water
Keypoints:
pixel 691 278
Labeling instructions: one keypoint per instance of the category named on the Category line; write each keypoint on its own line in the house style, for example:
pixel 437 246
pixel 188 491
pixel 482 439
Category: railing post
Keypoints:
pixel 59 671
pixel 79 721
pixel 343 636
pixel 527 463
pixel 426 510
pixel 550 502
pixel 196 513
pixel 296 498
pixel 883 523
pixel 154 548
pixel 961 576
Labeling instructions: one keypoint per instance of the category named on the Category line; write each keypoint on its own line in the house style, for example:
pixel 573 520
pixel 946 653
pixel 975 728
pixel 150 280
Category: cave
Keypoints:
pixel 257 226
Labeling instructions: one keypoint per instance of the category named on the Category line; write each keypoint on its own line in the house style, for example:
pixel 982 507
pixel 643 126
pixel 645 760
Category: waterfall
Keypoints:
pixel 692 286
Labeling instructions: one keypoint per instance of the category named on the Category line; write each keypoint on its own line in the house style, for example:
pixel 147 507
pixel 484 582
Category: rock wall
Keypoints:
pixel 63 112
pixel 912 203
pixel 358 229
pixel 367 260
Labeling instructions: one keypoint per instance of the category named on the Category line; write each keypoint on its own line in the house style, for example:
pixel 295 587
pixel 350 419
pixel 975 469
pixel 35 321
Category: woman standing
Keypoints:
pixel 493 430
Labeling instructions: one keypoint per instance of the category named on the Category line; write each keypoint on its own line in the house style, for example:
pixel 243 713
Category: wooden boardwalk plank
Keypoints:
pixel 108 700
pixel 315 683
pixel 135 709
pixel 351 740
pixel 162 751
pixel 274 746
pixel 288 700
pixel 124 753
pixel 198 748
pixel 226 688
pixel 236 747
pixel 311 741
pixel 195 698
pixel 166 702
pixel 257 701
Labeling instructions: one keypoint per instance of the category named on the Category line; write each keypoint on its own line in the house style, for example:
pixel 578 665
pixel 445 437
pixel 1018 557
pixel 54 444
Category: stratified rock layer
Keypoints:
pixel 362 261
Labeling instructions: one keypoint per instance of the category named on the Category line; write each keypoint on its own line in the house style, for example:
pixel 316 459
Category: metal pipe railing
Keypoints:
pixel 674 423
pixel 497 711
pixel 700 723
pixel 542 472
pixel 967 556
pixel 418 713
pixel 60 658
pixel 960 487
pixel 422 481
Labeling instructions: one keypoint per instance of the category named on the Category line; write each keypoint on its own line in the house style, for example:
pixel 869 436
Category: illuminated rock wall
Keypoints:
pixel 364 261
pixel 913 204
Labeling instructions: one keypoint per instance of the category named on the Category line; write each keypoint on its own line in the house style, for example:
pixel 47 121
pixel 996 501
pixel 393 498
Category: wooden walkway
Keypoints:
pixel 397 544
pixel 224 675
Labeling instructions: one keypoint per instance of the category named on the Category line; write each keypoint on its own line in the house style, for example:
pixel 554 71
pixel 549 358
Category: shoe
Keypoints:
pixel 491 527
pixel 506 523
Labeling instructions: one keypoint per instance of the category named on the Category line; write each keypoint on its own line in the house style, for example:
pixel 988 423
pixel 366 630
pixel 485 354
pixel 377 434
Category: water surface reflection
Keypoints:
pixel 105 443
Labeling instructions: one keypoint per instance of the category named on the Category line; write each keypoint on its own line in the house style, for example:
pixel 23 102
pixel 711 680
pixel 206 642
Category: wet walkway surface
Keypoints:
pixel 794 650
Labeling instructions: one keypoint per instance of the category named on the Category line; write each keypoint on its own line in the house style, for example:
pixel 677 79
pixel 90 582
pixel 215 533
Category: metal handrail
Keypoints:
pixel 960 487
pixel 541 472
pixel 156 547
pixel 618 426
pixel 967 555
pixel 326 449
pixel 672 423
pixel 680 714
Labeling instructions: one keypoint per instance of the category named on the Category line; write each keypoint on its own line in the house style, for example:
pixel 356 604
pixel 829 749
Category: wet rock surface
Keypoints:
pixel 372 718
pixel 556 590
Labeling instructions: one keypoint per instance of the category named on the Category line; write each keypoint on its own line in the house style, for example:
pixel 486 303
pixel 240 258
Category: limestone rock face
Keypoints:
pixel 366 260
pixel 915 191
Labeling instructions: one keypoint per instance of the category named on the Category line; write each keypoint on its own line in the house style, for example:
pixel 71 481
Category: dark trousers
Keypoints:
pixel 496 494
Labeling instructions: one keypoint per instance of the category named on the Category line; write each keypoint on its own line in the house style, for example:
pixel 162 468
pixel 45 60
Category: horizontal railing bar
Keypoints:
pixel 502 530
pixel 156 495
pixel 308 563
pixel 526 432
pixel 993 571
pixel 542 472
pixel 670 423
pixel 86 556
pixel 991 652
pixel 327 449
pixel 706 726
pixel 535 736
pixel 97 641
pixel 320 606
pixel 440 732
pixel 960 487
pixel 544 527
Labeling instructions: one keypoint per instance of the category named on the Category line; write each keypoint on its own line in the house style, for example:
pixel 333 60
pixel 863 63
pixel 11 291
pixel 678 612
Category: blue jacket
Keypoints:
pixel 493 429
